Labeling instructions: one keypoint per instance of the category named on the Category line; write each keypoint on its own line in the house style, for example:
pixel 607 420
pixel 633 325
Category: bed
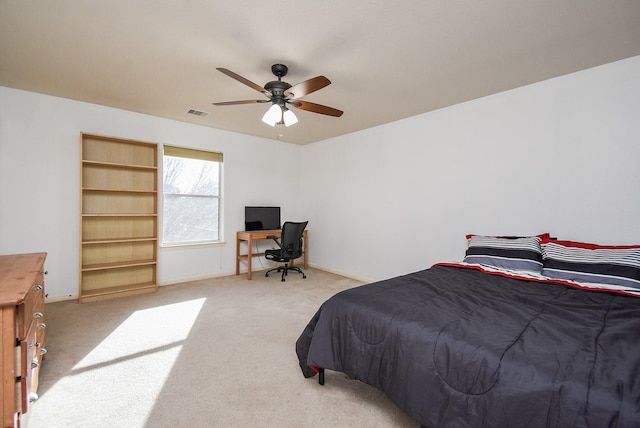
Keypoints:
pixel 525 332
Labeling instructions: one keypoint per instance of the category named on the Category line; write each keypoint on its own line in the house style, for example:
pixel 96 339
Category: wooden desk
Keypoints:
pixel 257 235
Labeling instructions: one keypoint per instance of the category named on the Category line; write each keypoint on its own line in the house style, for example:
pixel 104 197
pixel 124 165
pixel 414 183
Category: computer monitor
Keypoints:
pixel 261 218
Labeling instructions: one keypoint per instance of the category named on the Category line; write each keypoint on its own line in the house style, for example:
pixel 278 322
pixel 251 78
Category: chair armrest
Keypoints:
pixel 275 239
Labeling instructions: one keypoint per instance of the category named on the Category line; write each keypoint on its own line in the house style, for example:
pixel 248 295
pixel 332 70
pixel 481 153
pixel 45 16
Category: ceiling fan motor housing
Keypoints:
pixel 277 87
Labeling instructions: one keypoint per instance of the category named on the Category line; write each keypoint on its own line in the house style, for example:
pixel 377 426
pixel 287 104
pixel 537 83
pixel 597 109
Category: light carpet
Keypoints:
pixel 210 353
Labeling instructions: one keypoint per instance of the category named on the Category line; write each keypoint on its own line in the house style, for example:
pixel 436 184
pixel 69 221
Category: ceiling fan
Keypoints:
pixel 281 95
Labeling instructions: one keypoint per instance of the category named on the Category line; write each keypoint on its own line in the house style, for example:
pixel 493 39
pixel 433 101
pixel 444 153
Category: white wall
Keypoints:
pixel 561 156
pixel 40 179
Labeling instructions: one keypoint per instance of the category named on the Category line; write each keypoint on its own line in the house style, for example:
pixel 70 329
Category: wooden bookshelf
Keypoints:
pixel 119 217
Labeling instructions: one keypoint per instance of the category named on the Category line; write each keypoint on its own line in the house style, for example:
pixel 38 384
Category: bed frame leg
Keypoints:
pixel 321 376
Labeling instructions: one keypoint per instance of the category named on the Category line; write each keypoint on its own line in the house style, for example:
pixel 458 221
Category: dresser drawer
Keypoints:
pixel 32 310
pixel 32 352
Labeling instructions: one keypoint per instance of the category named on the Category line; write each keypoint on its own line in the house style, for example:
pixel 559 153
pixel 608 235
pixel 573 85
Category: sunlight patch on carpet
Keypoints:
pixel 144 332
pixel 142 350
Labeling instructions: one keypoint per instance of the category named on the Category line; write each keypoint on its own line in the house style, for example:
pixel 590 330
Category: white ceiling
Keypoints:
pixel 387 60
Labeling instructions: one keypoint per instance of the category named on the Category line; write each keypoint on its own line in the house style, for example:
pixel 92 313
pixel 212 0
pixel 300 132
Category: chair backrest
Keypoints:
pixel 291 239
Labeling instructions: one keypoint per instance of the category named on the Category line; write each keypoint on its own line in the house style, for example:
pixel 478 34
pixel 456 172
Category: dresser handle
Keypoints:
pixel 38 315
pixel 34 364
pixel 42 325
pixel 43 351
pixel 38 287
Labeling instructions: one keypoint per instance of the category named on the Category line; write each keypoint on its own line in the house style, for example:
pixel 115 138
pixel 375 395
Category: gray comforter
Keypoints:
pixel 458 347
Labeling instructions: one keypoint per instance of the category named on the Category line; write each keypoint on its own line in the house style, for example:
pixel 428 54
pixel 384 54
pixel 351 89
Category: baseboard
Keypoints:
pixel 195 278
pixel 60 299
pixel 346 275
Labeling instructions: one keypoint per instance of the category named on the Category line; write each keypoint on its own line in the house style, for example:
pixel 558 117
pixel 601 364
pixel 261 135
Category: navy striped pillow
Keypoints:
pixel 591 263
pixel 505 253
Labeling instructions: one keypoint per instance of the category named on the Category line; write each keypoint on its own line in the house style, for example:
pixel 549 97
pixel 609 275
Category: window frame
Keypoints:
pixel 189 153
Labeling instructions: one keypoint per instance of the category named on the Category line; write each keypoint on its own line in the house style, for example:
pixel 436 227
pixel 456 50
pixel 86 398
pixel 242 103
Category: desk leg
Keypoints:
pixel 249 256
pixel 306 251
pixel 238 255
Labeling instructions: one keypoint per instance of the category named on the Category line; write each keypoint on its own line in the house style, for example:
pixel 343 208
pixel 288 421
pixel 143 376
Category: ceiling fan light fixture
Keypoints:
pixel 273 115
pixel 289 118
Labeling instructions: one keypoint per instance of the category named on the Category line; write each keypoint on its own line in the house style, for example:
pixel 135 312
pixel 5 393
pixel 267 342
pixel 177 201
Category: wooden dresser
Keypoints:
pixel 23 330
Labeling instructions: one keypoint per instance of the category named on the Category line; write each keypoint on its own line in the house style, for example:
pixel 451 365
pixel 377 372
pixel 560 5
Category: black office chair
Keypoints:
pixel 290 248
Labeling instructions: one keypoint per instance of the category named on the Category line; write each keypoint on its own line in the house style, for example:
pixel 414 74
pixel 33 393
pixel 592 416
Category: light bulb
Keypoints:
pixel 289 118
pixel 273 115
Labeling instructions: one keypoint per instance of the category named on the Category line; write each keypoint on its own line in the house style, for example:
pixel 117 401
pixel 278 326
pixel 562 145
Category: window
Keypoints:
pixel 191 196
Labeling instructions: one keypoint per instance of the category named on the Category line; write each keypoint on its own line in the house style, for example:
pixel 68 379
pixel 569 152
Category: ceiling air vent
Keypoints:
pixel 197 112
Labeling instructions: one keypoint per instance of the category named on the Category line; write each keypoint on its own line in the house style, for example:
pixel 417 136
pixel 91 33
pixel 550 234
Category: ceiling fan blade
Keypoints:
pixel 316 108
pixel 307 87
pixel 231 103
pixel 241 79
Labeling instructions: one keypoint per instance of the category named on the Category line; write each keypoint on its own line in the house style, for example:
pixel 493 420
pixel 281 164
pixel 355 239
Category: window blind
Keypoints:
pixel 192 153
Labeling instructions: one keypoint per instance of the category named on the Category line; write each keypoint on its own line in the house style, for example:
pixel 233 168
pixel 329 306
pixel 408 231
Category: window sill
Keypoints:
pixel 193 244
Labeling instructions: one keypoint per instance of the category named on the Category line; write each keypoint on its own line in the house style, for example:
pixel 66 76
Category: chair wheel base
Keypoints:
pixel 285 272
